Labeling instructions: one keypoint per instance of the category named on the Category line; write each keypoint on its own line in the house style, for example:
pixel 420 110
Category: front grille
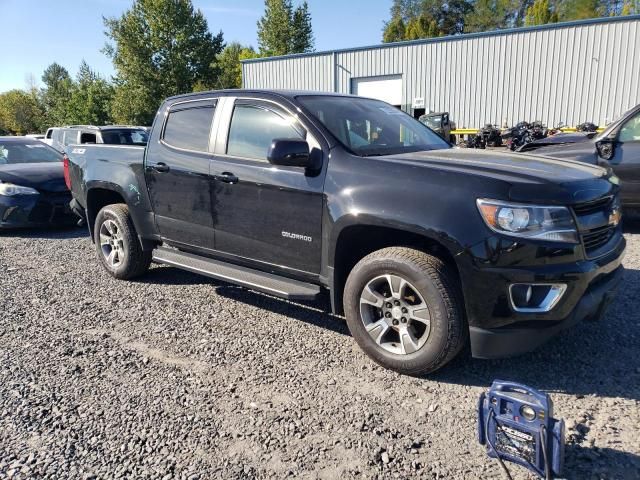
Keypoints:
pixel 51 208
pixel 592 207
pixel 597 237
pixel 593 223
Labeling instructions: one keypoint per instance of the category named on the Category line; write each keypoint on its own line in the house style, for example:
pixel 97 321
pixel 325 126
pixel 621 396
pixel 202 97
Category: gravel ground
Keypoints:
pixel 180 376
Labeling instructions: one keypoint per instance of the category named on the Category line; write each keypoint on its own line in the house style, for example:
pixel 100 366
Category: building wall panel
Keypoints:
pixel 571 73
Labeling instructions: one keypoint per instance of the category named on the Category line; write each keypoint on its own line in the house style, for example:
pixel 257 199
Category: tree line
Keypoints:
pixel 159 48
pixel 415 19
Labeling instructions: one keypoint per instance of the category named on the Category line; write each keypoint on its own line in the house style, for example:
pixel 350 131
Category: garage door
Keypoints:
pixel 387 88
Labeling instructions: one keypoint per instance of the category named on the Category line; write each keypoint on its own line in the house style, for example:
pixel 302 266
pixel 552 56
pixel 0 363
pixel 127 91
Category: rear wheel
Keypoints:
pixel 117 243
pixel 404 309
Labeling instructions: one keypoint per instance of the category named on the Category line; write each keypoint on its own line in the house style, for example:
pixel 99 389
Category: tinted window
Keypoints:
pixel 630 132
pixel 189 128
pixel 125 136
pixel 254 128
pixel 371 127
pixel 27 152
pixel 87 137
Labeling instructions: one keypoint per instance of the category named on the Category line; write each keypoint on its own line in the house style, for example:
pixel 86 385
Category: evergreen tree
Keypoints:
pixel 489 15
pixel 451 14
pixel 394 30
pixel 630 7
pixel 283 30
pixel 90 101
pixel 56 94
pixel 580 9
pixel 274 28
pixel 302 40
pixel 540 13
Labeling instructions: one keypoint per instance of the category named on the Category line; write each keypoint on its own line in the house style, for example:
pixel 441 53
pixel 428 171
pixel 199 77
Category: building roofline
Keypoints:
pixel 452 38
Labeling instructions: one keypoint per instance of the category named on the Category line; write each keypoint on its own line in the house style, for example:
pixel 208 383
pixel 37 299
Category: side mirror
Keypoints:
pixel 606 149
pixel 289 152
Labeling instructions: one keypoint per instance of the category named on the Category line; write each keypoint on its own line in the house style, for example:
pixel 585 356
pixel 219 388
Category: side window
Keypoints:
pixel 630 132
pixel 87 137
pixel 70 136
pixel 253 128
pixel 49 132
pixel 189 128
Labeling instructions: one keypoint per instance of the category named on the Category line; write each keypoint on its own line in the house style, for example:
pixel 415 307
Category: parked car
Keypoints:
pixel 440 123
pixel 420 245
pixel 61 137
pixel 618 146
pixel 32 188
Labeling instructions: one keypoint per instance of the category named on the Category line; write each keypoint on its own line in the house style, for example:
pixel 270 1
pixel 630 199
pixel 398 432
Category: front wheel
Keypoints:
pixel 117 243
pixel 404 309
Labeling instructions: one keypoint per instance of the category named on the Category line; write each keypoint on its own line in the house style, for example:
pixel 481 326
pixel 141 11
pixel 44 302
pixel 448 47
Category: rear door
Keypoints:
pixel 264 214
pixel 177 174
pixel 626 161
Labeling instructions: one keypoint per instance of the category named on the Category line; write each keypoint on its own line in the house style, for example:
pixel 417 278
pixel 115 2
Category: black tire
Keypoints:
pixel 438 286
pixel 135 261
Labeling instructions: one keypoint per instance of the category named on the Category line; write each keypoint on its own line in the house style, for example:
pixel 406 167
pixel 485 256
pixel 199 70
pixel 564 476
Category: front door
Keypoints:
pixel 263 213
pixel 177 175
pixel 626 161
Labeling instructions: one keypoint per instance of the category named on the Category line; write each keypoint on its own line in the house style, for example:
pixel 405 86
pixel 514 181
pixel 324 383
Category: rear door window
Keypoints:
pixel 189 128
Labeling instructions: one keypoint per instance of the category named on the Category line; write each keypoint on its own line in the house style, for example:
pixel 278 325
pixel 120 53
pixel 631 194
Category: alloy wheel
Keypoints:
pixel 111 243
pixel 394 314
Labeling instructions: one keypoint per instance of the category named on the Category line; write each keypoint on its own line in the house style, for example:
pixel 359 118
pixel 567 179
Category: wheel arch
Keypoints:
pixel 97 198
pixel 357 241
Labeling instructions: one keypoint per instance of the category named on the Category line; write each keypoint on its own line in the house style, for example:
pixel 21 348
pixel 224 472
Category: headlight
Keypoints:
pixel 529 221
pixel 9 189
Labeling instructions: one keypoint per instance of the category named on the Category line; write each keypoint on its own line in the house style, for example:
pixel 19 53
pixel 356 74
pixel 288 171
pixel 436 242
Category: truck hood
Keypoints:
pixel 532 178
pixel 46 177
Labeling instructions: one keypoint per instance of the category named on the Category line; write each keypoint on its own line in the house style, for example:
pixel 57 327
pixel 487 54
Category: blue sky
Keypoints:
pixel 36 33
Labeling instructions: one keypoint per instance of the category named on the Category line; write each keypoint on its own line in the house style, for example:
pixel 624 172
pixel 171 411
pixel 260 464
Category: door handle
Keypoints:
pixel 160 167
pixel 227 177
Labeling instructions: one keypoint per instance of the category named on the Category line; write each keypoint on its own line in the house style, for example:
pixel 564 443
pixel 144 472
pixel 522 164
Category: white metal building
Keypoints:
pixel 567 72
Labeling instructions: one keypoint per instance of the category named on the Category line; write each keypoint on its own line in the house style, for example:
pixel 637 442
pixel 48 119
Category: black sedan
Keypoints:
pixel 618 146
pixel 32 188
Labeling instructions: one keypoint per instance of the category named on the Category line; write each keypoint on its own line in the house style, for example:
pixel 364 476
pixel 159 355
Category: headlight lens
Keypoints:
pixel 9 189
pixel 529 221
pixel 528 412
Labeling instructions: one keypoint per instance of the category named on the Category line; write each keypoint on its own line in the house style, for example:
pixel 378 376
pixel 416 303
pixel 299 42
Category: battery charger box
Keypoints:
pixel 516 424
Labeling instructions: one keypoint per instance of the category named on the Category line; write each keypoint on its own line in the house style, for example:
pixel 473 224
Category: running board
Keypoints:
pixel 247 277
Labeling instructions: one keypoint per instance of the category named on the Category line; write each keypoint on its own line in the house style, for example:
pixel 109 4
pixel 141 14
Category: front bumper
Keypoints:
pixel 498 330
pixel 44 209
pixel 514 340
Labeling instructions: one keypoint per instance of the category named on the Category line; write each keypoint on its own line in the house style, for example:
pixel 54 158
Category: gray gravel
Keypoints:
pixel 179 376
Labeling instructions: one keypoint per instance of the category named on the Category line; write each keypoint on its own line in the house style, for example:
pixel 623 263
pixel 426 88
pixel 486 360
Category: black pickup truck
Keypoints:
pixel 421 246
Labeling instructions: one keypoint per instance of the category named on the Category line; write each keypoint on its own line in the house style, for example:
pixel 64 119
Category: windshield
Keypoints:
pixel 125 136
pixel 613 125
pixel 370 127
pixel 27 152
pixel 432 122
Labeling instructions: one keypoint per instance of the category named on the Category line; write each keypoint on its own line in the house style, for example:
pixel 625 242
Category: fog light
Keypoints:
pixel 535 297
